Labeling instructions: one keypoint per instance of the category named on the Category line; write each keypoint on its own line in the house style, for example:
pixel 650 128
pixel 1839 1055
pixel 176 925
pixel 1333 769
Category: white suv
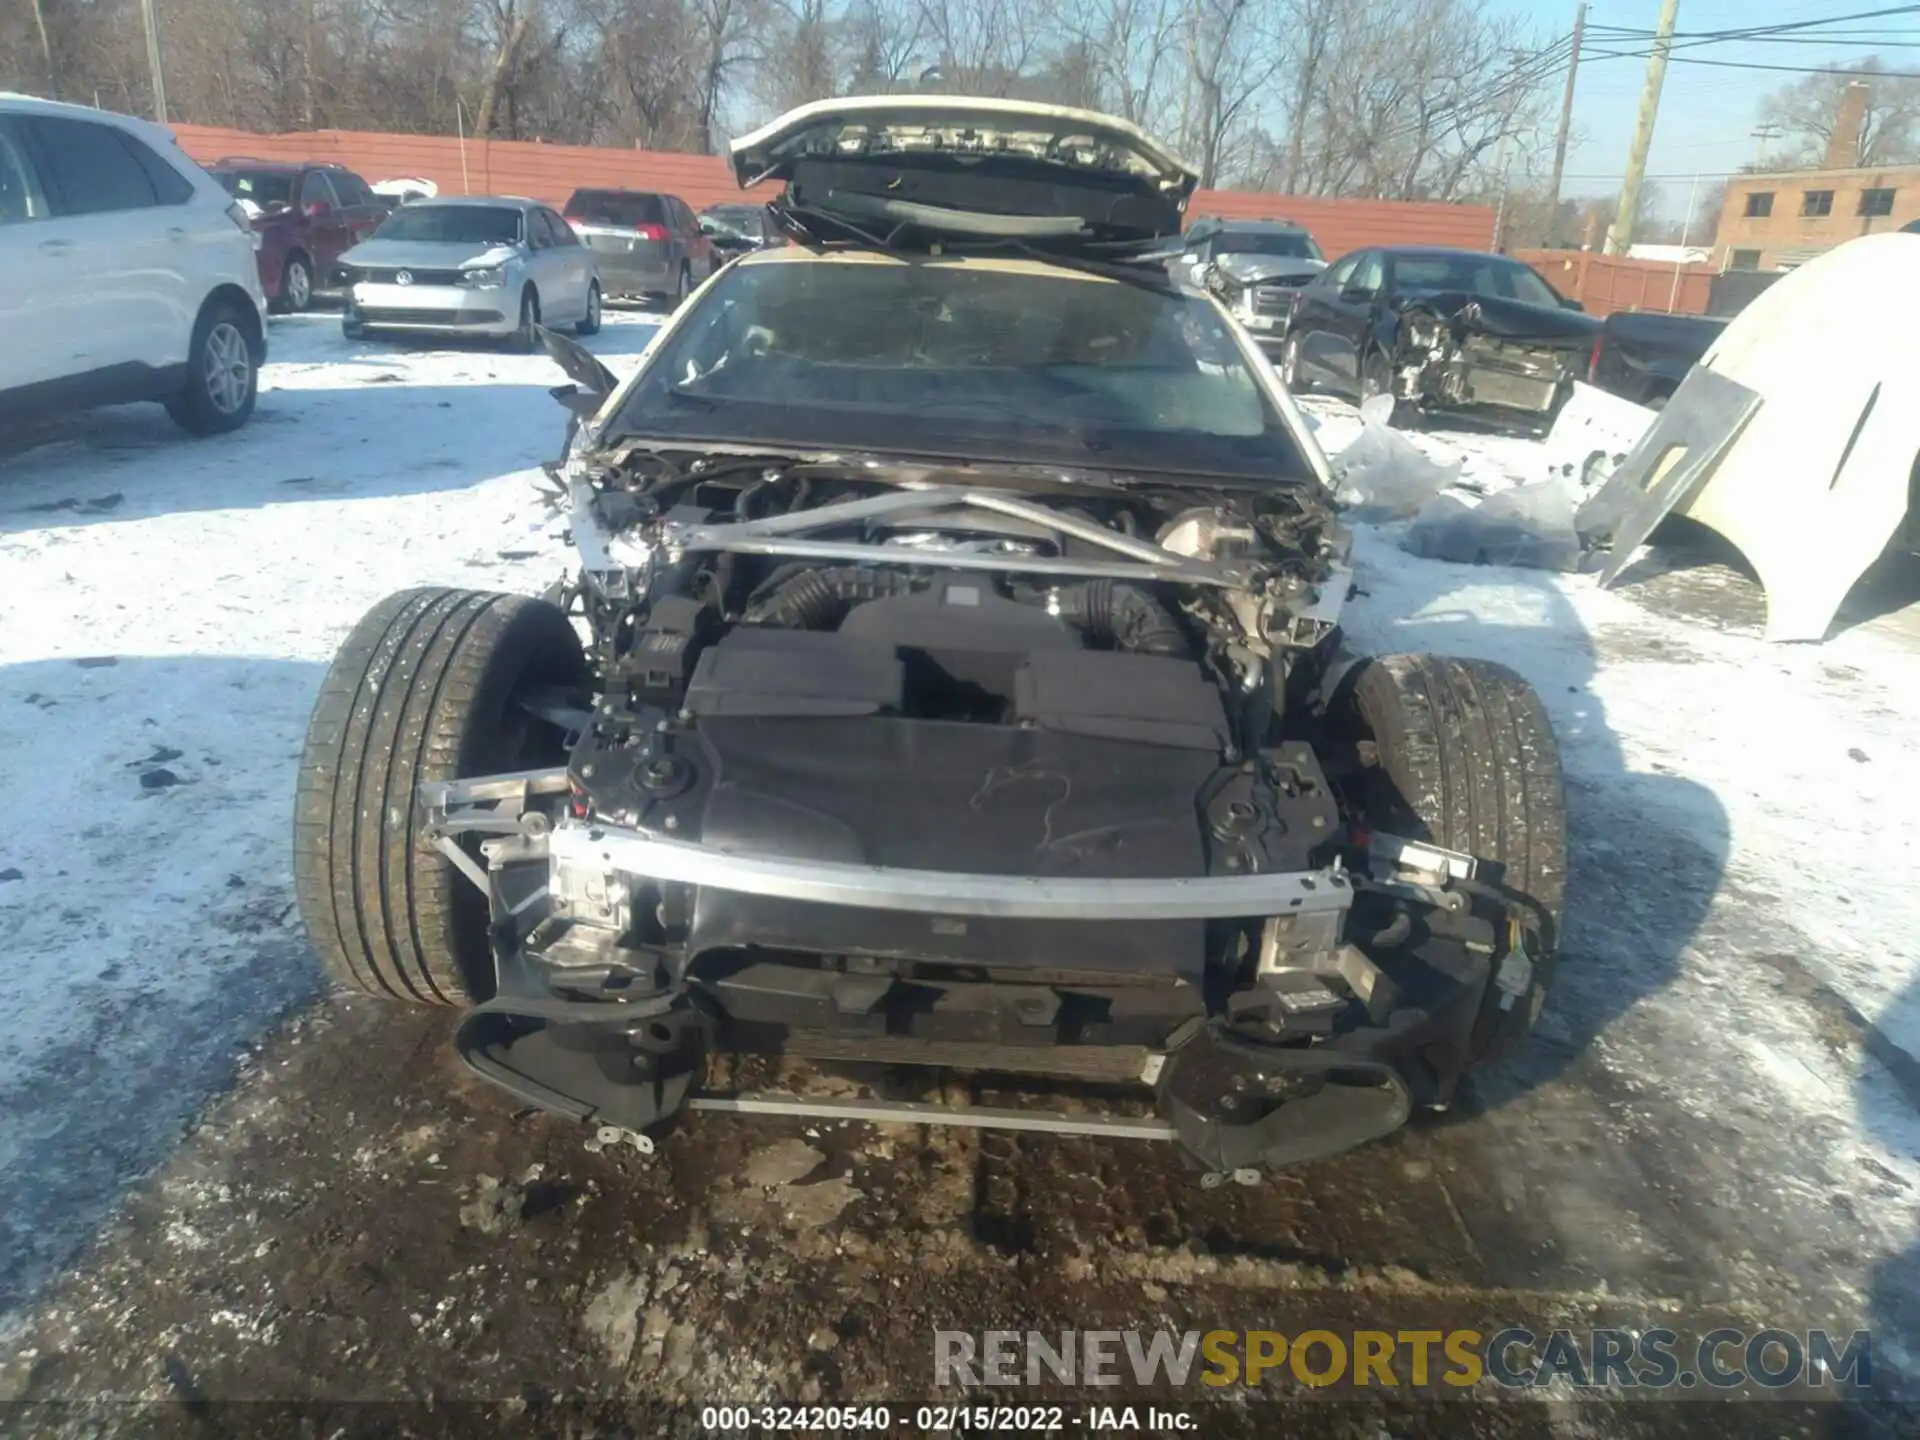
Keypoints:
pixel 126 272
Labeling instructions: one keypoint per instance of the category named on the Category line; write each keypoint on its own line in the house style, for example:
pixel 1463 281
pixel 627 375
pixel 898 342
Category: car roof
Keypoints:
pixel 490 202
pixel 1237 226
pixel 284 167
pixel 1443 252
pixel 18 104
pixel 615 190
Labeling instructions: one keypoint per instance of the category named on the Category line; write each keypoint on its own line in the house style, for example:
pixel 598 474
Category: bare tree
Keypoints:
pixel 1804 115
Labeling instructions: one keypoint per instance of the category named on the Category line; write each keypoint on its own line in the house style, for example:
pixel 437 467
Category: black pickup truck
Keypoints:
pixel 1643 355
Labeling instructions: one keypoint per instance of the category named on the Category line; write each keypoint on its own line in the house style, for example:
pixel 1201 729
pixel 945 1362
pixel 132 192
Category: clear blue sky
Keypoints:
pixel 1707 114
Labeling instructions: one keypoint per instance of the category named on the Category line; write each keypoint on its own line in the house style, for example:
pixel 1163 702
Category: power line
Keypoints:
pixel 1757 65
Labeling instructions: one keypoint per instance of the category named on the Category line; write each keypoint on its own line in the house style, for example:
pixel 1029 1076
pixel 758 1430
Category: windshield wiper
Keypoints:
pixel 692 397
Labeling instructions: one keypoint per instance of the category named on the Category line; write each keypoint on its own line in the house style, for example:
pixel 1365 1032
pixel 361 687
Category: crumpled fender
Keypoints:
pixel 1816 482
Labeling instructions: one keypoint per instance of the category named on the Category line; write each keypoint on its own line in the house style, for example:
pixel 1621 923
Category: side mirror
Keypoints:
pixel 318 208
pixel 1568 303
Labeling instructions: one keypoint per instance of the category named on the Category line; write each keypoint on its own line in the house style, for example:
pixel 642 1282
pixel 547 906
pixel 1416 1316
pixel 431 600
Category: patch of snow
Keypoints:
pixel 177 602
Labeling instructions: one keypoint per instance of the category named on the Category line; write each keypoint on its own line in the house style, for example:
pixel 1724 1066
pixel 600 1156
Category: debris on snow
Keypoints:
pixel 1382 474
pixel 1529 526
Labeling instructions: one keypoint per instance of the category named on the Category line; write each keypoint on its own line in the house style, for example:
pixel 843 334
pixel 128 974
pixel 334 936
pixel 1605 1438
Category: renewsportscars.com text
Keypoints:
pixel 1623 1359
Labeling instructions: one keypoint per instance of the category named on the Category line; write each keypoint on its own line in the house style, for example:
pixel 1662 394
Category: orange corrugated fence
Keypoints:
pixel 1606 283
pixel 552 172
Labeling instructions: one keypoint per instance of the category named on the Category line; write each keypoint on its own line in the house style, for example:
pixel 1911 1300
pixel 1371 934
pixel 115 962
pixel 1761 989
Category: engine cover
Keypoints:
pixel 1110 768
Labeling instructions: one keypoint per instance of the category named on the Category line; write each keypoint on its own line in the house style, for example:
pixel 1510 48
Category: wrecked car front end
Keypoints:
pixel 1259 290
pixel 951 677
pixel 1503 359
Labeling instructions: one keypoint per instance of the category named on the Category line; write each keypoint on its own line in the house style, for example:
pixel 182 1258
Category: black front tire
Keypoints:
pixel 223 371
pixel 590 322
pixel 524 341
pixel 423 689
pixel 1461 753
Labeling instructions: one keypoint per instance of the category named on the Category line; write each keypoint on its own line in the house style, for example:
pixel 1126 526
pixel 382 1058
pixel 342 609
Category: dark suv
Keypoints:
pixel 648 245
pixel 307 216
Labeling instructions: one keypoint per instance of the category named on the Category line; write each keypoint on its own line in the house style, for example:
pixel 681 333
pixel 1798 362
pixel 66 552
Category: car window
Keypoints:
pixel 615 207
pixel 971 359
pixel 1370 274
pixel 1336 277
pixel 1484 275
pixel 351 189
pixel 539 233
pixel 467 224
pixel 20 197
pixel 316 189
pixel 562 232
pixel 169 184
pixel 1282 244
pixel 86 167
pixel 265 190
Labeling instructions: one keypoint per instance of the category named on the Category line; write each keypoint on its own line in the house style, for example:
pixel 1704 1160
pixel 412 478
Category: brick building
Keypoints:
pixel 1777 220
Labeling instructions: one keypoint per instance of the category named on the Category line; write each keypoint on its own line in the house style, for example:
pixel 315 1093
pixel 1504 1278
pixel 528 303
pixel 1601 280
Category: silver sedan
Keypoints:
pixel 489 265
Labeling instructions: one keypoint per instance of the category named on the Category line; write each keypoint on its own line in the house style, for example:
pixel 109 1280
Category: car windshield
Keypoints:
pixel 1008 361
pixel 613 207
pixel 1284 244
pixel 268 189
pixel 468 224
pixel 1484 275
pixel 744 222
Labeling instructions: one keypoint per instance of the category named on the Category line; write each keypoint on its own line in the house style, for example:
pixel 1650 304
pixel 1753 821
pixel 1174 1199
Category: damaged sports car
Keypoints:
pixel 1442 332
pixel 952 676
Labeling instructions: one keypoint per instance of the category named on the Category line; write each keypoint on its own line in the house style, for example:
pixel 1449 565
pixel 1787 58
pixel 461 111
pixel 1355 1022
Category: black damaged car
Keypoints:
pixel 1441 331
pixel 952 676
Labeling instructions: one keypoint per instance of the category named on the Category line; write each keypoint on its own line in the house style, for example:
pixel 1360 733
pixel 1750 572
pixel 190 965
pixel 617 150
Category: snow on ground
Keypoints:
pixel 1743 921
pixel 171 606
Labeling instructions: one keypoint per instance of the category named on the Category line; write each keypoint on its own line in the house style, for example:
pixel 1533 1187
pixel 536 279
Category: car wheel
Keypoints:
pixel 427 687
pixel 524 341
pixel 590 322
pixel 1460 753
pixel 221 383
pixel 296 285
pixel 1290 364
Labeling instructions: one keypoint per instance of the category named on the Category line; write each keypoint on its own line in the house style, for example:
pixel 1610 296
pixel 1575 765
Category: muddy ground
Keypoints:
pixel 361 1222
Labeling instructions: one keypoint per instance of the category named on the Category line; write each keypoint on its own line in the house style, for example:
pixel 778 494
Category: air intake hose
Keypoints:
pixel 820 599
pixel 1123 617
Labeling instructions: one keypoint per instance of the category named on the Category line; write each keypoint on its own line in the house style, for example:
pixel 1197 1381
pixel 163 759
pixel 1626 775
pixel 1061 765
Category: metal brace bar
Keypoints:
pixel 1191 572
pixel 520 785
pixel 907 1112
pixel 463 862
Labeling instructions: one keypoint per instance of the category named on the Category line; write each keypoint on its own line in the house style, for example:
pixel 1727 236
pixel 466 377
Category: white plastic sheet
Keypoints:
pixel 1385 476
pixel 1530 526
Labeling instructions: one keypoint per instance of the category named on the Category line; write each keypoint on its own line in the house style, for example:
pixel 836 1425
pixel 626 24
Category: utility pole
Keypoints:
pixel 152 22
pixel 1566 122
pixel 1621 235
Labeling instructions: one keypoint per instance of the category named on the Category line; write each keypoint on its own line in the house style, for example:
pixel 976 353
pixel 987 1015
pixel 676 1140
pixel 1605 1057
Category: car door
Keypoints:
pixel 1313 330
pixel 574 258
pixel 328 236
pixel 127 263
pixel 551 273
pixel 34 295
pixel 1350 310
pixel 698 248
pixel 361 211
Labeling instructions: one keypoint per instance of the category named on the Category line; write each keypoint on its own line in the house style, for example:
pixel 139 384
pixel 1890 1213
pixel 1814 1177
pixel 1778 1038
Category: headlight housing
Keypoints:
pixel 484 277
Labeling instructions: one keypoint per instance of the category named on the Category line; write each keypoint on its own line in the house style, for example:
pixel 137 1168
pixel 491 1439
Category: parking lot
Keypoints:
pixel 1717 1121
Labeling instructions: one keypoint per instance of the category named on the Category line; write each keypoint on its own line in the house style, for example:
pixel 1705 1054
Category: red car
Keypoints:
pixel 306 215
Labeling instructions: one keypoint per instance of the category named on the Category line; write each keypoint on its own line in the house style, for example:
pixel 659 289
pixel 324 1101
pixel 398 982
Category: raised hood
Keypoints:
pixel 972 166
